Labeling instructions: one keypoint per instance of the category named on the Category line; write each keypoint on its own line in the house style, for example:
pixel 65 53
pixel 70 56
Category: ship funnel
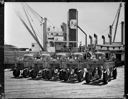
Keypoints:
pixel 90 39
pixel 103 39
pixel 95 36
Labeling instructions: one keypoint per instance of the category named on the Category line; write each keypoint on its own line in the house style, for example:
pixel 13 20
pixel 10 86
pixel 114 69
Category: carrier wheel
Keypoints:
pixel 16 72
pixel 40 74
pixel 33 74
pixel 80 76
pixel 25 73
pixel 29 75
pixel 44 74
pixel 87 78
pixel 30 72
pixel 114 73
pixel 105 78
pixel 48 74
pixel 100 73
pixel 61 75
pixel 66 76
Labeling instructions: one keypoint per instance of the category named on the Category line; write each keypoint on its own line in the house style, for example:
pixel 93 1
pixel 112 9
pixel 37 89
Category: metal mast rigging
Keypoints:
pixel 118 14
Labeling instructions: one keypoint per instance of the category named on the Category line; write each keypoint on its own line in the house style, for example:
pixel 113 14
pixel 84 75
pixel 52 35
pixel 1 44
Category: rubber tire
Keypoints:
pixel 105 78
pixel 110 76
pixel 100 73
pixel 79 76
pixel 16 72
pixel 44 74
pixel 25 73
pixel 87 78
pixel 39 74
pixel 33 74
pixel 48 74
pixel 29 75
pixel 114 74
pixel 61 75
pixel 66 76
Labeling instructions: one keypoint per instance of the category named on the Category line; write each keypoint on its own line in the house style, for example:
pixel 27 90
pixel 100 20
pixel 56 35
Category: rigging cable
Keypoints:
pixel 30 22
pixel 115 17
pixel 117 21
pixel 19 16
pixel 35 26
pixel 35 13
pixel 39 17
pixel 34 36
pixel 29 30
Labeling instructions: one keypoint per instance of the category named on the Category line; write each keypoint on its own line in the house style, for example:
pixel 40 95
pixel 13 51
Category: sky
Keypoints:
pixel 94 17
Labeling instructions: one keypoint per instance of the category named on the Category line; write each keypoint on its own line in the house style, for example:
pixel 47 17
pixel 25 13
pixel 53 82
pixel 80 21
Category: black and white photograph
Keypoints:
pixel 64 49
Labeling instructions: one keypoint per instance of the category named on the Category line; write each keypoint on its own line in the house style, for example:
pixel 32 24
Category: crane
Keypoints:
pixel 84 34
pixel 77 26
pixel 31 31
pixel 118 14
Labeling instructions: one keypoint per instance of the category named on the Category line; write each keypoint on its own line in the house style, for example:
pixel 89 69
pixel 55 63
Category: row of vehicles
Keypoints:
pixel 76 66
